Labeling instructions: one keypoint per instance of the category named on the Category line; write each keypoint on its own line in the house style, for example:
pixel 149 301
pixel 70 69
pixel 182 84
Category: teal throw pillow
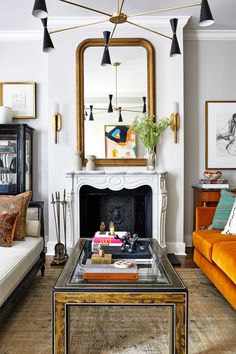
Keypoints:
pixel 223 210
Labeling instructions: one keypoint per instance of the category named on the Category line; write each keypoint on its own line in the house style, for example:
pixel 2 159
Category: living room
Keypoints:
pixel 185 88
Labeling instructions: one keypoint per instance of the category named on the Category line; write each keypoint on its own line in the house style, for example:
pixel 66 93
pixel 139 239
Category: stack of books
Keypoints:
pixel 109 272
pixel 214 183
pixel 105 239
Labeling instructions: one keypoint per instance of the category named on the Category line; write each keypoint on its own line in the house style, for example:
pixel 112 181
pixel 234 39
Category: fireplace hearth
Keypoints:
pixel 129 209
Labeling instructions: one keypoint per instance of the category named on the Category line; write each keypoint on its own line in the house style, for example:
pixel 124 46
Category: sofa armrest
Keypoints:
pixel 204 217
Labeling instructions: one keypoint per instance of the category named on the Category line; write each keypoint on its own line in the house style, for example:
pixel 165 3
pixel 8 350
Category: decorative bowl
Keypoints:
pixel 212 175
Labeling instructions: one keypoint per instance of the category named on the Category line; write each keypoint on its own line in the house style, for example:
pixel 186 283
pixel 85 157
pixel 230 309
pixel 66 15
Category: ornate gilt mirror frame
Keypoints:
pixel 119 42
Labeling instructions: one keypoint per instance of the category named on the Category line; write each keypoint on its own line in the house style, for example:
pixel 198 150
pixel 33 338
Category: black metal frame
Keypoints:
pixel 20 130
pixel 15 296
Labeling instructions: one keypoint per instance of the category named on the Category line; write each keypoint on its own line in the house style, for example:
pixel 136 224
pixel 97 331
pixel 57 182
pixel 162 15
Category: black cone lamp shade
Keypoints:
pixel 174 50
pixel 144 105
pixel 120 115
pixel 40 9
pixel 206 18
pixel 110 108
pixel 91 113
pixel 47 42
pixel 106 60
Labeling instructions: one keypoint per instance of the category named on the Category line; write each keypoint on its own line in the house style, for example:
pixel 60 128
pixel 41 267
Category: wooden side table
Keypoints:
pixel 203 197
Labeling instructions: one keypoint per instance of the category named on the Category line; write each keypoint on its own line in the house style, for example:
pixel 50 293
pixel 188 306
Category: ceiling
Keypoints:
pixel 224 12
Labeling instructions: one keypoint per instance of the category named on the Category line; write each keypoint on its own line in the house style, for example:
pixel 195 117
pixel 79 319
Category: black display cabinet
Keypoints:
pixel 16 141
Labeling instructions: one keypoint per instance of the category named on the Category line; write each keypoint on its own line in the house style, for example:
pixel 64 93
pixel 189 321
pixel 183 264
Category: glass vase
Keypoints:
pixel 151 160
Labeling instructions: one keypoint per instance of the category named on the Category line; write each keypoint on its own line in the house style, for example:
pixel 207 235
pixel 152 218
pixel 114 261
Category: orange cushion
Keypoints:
pixel 204 240
pixel 224 255
pixel 7 228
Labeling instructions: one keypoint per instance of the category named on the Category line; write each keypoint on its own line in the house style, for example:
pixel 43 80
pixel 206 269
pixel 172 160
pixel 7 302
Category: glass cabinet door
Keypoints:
pixel 8 163
pixel 28 162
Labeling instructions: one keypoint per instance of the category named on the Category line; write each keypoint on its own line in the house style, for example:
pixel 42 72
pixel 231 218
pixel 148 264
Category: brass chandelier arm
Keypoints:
pixel 112 34
pixel 79 26
pixel 121 6
pixel 150 30
pixel 165 10
pixel 86 8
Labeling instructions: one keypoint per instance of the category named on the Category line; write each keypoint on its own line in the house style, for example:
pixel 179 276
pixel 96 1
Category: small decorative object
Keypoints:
pixel 90 166
pixel 130 243
pixel 6 115
pixel 123 264
pixel 149 133
pixel 78 161
pixel 56 122
pixel 101 252
pixel 112 228
pixel 102 228
pixel 220 135
pixel 212 175
pixel 175 121
pixel 61 256
pixel 20 97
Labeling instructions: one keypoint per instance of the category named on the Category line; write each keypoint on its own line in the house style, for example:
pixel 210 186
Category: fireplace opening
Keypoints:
pixel 129 209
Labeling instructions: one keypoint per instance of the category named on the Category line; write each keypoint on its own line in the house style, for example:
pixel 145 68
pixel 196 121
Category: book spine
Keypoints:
pixel 110 276
pixel 214 186
pixel 213 181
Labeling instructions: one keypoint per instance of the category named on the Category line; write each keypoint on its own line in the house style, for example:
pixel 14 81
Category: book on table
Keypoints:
pixel 109 272
pixel 105 239
pixel 214 183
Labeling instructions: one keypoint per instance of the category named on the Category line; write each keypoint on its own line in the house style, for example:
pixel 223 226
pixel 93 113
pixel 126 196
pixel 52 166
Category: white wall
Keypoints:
pixel 169 88
pixel 24 61
pixel 210 74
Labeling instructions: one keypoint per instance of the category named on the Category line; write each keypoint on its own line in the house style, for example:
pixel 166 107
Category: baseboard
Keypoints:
pixel 176 248
pixel 188 240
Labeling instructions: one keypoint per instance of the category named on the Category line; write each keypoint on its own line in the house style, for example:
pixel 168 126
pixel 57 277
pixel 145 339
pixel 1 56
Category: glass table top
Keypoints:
pixel 151 268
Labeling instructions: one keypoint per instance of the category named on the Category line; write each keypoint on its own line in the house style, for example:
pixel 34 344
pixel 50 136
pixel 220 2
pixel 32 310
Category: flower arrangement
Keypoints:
pixel 148 130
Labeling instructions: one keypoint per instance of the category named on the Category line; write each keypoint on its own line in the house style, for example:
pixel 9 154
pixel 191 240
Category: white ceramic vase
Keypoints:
pixel 78 161
pixel 90 166
pixel 6 115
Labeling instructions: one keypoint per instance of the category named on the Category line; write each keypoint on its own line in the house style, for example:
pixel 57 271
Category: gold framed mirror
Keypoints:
pixel 133 64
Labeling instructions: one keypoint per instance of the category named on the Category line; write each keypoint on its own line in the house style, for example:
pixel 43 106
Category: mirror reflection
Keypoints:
pixel 110 97
pixel 114 95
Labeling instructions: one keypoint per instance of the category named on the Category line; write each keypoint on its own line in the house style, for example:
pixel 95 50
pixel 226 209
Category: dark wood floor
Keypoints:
pixel 187 261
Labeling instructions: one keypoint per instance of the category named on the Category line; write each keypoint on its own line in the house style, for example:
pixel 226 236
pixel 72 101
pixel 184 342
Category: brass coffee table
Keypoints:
pixel 158 284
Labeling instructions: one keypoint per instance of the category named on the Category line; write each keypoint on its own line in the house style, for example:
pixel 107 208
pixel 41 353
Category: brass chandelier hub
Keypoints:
pixel 118 18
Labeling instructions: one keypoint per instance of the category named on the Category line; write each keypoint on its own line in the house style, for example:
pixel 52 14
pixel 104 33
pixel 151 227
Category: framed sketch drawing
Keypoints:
pixel 120 141
pixel 220 135
pixel 20 97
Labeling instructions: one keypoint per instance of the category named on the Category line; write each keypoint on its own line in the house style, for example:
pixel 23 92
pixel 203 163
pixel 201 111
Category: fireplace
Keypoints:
pixel 137 199
pixel 129 209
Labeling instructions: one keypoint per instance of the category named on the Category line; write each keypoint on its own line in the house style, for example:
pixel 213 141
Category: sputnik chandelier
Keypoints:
pixel 117 18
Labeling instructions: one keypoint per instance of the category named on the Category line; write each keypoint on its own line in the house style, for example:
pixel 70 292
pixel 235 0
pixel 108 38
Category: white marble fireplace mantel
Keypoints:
pixel 117 180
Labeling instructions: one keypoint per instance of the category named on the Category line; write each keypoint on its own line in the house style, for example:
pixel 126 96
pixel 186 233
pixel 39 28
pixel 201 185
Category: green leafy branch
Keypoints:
pixel 148 130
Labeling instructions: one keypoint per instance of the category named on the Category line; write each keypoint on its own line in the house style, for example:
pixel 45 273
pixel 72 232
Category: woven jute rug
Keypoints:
pixel 116 330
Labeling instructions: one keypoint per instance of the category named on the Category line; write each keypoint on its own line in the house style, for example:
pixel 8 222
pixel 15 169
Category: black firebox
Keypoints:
pixel 129 209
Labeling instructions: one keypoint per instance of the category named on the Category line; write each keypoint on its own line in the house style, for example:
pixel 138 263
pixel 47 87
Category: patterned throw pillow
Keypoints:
pixel 230 228
pixel 17 204
pixel 7 228
pixel 223 210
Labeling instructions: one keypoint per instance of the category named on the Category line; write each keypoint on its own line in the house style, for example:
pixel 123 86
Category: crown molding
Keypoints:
pixel 210 35
pixel 63 22
pixel 20 35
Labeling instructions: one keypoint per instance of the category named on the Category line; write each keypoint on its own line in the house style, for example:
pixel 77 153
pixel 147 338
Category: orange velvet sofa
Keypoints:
pixel 215 254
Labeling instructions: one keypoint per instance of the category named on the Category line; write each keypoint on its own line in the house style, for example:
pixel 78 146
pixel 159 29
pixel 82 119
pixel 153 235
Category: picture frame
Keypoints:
pixel 120 141
pixel 220 136
pixel 20 97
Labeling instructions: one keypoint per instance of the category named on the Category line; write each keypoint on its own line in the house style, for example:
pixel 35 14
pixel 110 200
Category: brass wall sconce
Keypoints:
pixel 56 123
pixel 175 122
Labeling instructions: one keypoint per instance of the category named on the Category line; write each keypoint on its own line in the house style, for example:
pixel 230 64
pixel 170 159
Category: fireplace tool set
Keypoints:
pixel 61 255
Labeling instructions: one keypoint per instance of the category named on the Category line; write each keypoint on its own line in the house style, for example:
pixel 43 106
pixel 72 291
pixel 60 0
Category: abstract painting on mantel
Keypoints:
pixel 221 134
pixel 120 141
